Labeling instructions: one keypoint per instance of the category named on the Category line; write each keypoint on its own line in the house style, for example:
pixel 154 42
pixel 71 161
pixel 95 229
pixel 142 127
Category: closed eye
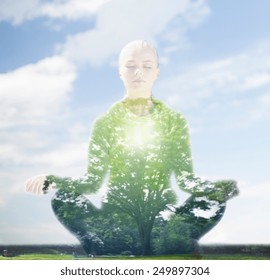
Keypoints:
pixel 130 65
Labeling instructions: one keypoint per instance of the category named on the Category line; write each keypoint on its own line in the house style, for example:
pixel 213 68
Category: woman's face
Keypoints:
pixel 138 69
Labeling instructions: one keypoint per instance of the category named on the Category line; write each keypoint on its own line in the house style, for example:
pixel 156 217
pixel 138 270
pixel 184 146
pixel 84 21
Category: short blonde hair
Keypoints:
pixel 139 44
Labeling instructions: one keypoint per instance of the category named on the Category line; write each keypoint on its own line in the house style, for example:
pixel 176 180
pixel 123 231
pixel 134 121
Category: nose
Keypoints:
pixel 139 72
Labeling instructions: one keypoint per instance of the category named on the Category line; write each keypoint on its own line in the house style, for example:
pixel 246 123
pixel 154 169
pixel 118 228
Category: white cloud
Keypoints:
pixel 34 234
pixel 242 73
pixel 253 191
pixel 72 9
pixel 132 20
pixel 246 218
pixel 261 109
pixel 32 93
pixel 25 159
pixel 17 11
pixel 64 158
pixel 2 203
pixel 31 96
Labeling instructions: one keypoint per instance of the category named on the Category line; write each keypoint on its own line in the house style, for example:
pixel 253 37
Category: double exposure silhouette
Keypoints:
pixel 140 143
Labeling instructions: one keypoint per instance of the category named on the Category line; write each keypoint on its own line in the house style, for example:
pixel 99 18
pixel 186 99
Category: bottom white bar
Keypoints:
pixel 135 269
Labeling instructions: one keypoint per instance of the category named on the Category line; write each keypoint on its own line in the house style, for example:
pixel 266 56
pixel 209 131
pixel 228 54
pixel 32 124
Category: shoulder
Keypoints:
pixel 109 117
pixel 169 114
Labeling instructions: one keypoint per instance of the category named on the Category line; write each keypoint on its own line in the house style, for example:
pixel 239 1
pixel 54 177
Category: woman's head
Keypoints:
pixel 138 68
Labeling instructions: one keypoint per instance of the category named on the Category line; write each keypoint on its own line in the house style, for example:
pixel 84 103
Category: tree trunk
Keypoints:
pixel 145 231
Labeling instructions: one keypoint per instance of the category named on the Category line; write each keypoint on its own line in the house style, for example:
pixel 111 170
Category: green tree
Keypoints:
pixel 141 198
pixel 117 230
pixel 174 237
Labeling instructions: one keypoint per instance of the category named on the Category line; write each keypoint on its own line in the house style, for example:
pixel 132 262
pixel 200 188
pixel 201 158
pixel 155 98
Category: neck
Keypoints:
pixel 138 94
pixel 140 106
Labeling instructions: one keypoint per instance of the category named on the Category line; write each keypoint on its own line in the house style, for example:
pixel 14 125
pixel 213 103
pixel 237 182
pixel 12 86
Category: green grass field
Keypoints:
pixel 170 257
pixel 66 252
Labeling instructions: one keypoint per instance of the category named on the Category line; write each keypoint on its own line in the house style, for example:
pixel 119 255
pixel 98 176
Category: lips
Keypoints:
pixel 139 81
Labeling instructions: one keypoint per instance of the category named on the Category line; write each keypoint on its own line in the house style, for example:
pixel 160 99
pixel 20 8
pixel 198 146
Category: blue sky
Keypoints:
pixel 58 72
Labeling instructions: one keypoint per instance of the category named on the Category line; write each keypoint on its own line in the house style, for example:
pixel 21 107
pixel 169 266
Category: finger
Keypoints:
pixel 28 185
pixel 32 185
pixel 38 186
pixel 35 186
